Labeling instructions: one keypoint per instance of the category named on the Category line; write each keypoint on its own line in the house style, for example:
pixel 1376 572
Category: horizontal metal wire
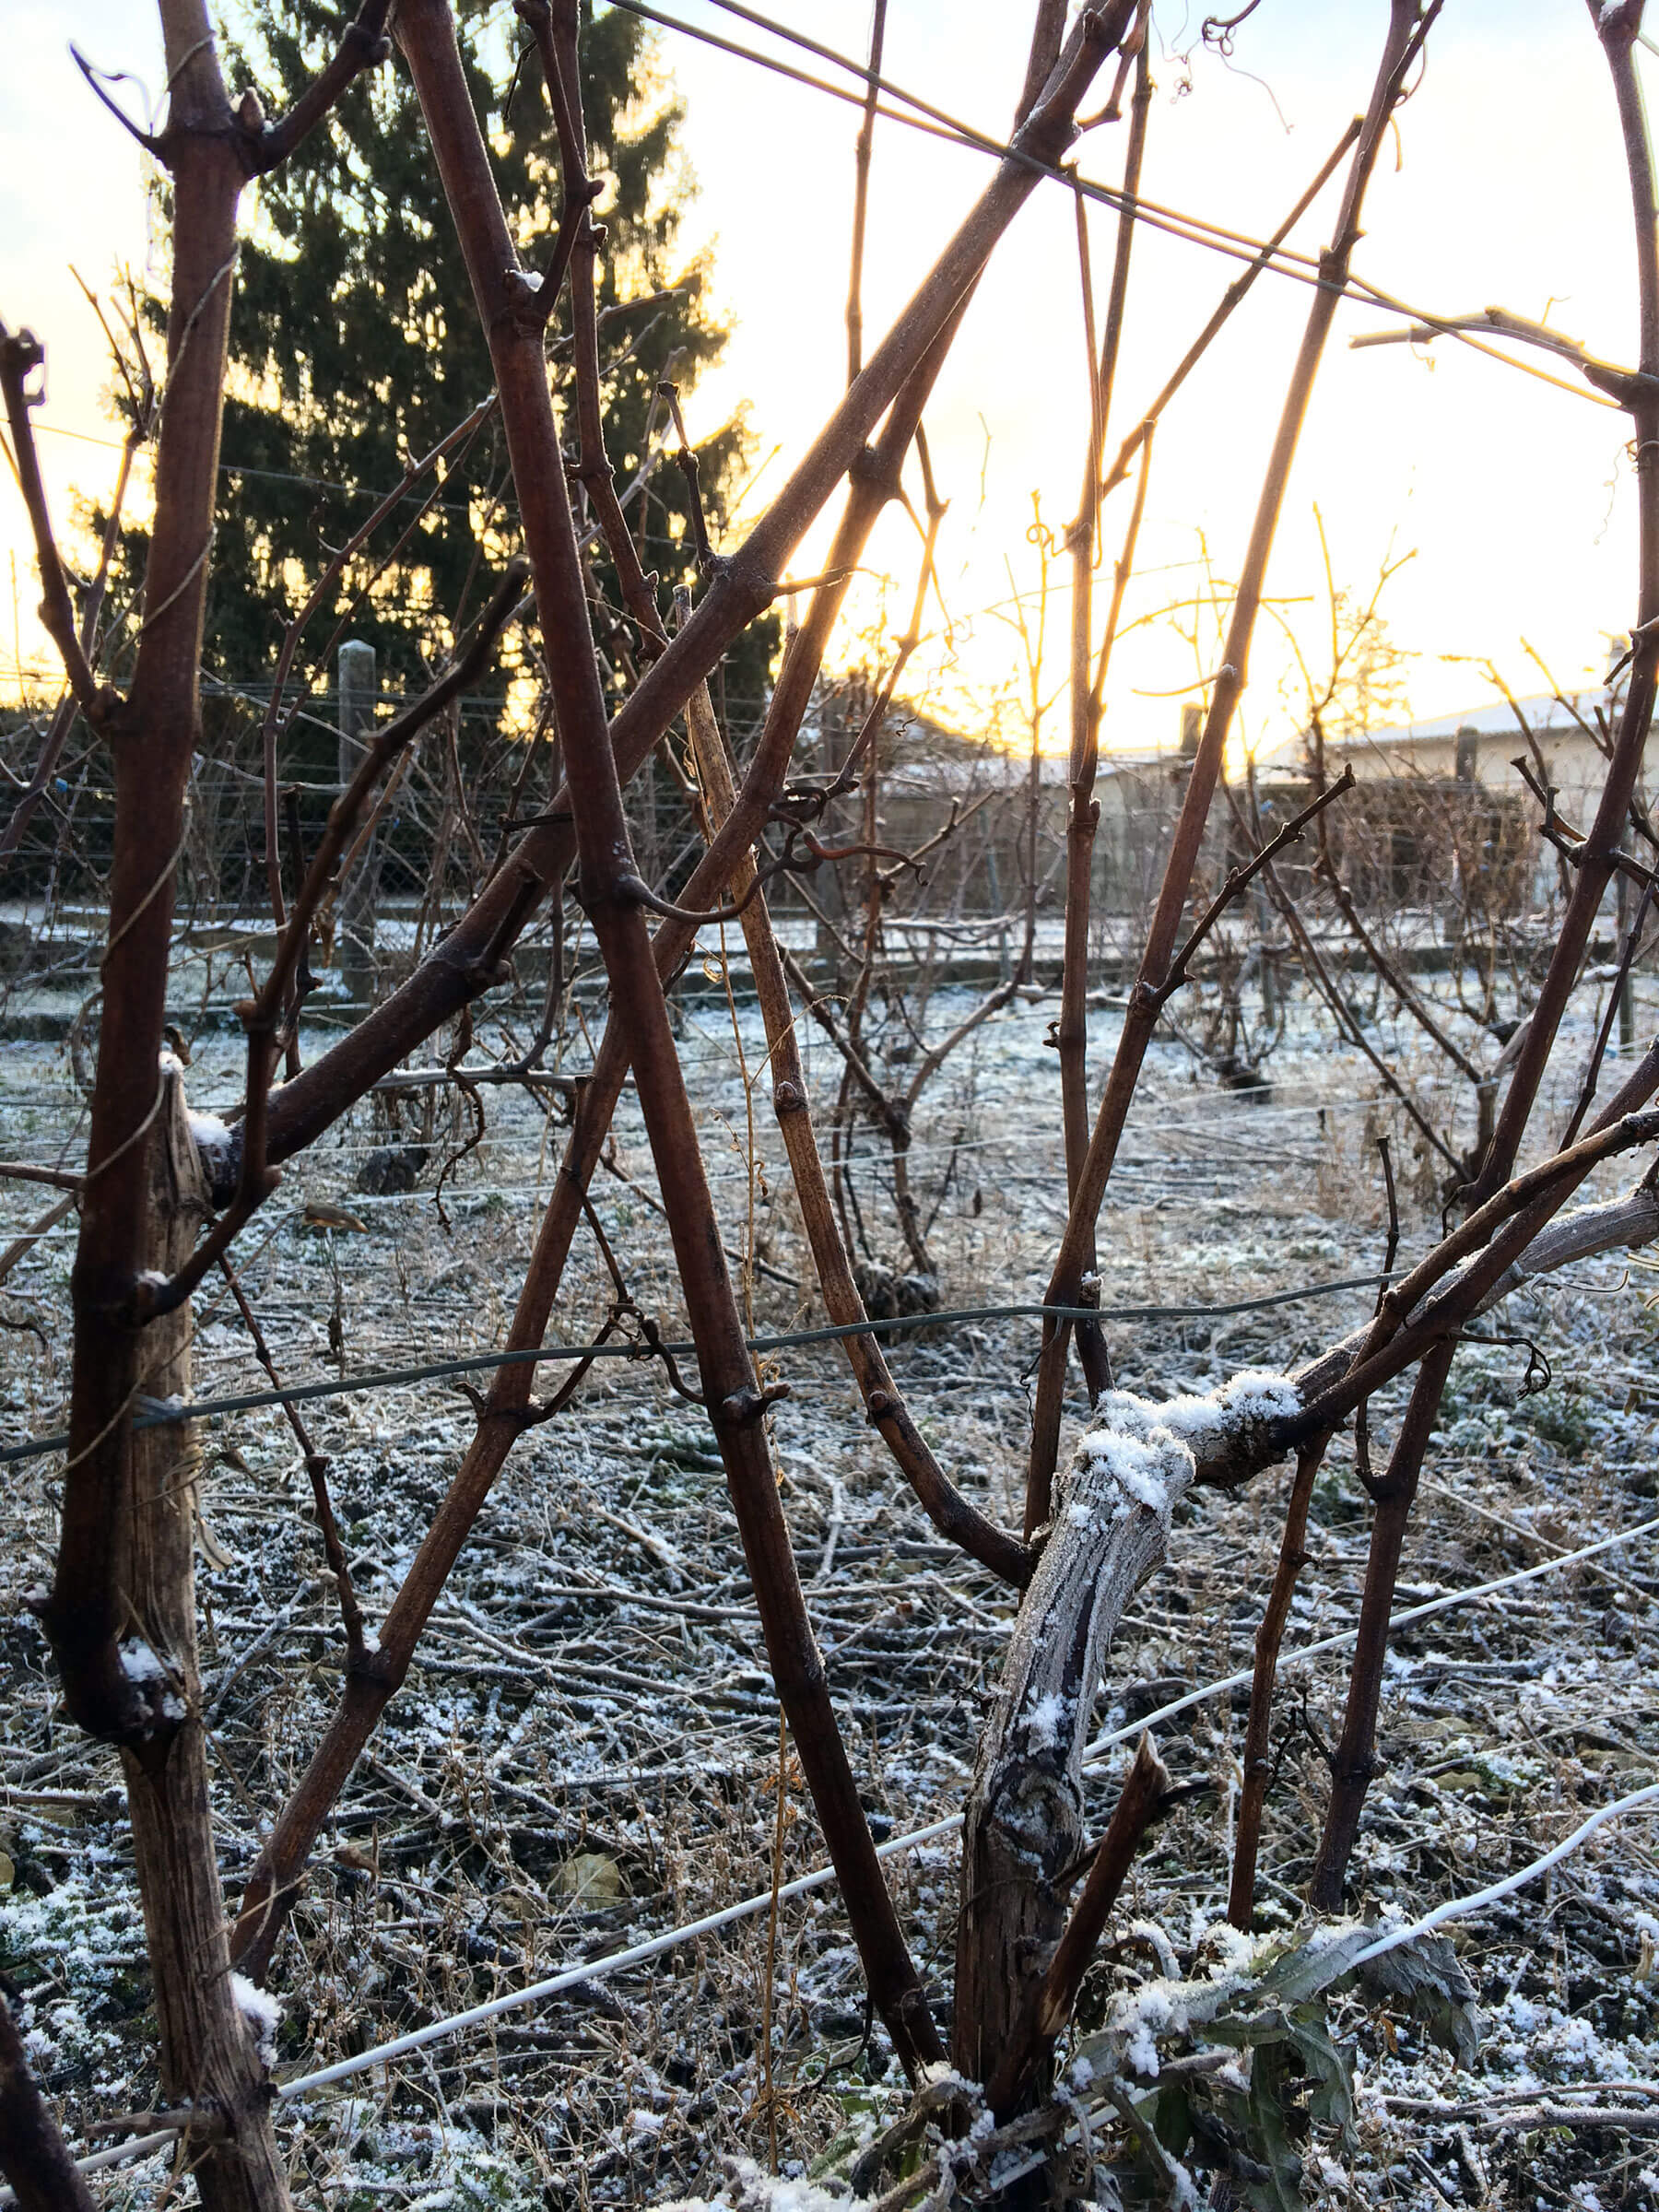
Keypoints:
pixel 160 1414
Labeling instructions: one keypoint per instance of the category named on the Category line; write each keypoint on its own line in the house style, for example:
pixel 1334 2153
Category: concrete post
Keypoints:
pixel 353 911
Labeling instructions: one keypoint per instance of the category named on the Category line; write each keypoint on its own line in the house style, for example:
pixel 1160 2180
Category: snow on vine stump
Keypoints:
pixel 1024 1824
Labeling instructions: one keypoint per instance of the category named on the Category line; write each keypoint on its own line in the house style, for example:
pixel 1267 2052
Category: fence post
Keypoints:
pixel 353 911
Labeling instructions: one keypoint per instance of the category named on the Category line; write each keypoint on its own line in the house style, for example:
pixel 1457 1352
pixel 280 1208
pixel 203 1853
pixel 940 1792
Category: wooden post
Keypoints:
pixel 353 914
pixel 209 2044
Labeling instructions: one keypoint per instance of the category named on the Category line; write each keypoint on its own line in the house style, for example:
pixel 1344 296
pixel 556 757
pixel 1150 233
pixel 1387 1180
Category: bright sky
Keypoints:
pixel 1505 186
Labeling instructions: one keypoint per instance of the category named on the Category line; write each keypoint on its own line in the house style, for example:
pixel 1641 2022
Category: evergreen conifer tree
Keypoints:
pixel 356 345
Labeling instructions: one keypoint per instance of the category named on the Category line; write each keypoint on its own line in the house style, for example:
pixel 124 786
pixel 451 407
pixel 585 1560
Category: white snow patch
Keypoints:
pixel 213 1140
pixel 748 2189
pixel 1045 1721
pixel 1150 1933
pixel 261 2011
pixel 140 1664
pixel 1150 2010
pixel 1149 1449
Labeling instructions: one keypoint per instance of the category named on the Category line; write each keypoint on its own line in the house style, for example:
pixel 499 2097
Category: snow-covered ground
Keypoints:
pixel 586 1752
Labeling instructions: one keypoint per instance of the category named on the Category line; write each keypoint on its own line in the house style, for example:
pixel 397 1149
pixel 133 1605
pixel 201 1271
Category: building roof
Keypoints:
pixel 1544 714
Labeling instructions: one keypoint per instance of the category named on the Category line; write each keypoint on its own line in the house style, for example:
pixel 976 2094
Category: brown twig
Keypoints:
pixel 19 1171
pixel 316 1468
pixel 1599 1051
pixel 272 723
pixel 1361 1411
pixel 1238 879
pixel 556 31
pixel 1089 675
pixel 363 45
pixel 1628 386
pixel 304 981
pixel 1399 984
pixel 20 355
pixel 1270 1634
pixel 1319 976
pixel 1407 27
pixel 685 460
pixel 861 193
pixel 1355 1759
pixel 33 2156
pixel 1230 301
pixel 62 720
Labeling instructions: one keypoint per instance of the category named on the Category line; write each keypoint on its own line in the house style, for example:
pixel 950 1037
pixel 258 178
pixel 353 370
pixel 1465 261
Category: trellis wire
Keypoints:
pixel 1461 1906
pixel 161 1414
pixel 938 1829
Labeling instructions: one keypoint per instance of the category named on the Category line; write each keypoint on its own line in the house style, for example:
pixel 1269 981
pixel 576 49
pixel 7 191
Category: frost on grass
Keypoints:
pixel 77 1954
pixel 420 2165
pixel 749 2189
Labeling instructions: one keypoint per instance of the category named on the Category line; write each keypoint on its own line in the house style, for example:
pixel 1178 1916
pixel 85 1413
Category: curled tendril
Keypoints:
pixel 1217 31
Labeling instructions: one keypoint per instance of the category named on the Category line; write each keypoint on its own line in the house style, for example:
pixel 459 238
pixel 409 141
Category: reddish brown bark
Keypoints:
pixel 1404 37
pixel 33 2156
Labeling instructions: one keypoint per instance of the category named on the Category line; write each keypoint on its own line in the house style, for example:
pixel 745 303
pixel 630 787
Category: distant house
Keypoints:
pixel 1443 811
pixel 1481 745
pixel 1442 818
pixel 980 867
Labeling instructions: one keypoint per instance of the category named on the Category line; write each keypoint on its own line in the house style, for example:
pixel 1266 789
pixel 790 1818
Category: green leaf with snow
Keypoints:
pixel 1278 2186
pixel 1427 1976
pixel 1301 2029
pixel 1328 2067
pixel 1306 1969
